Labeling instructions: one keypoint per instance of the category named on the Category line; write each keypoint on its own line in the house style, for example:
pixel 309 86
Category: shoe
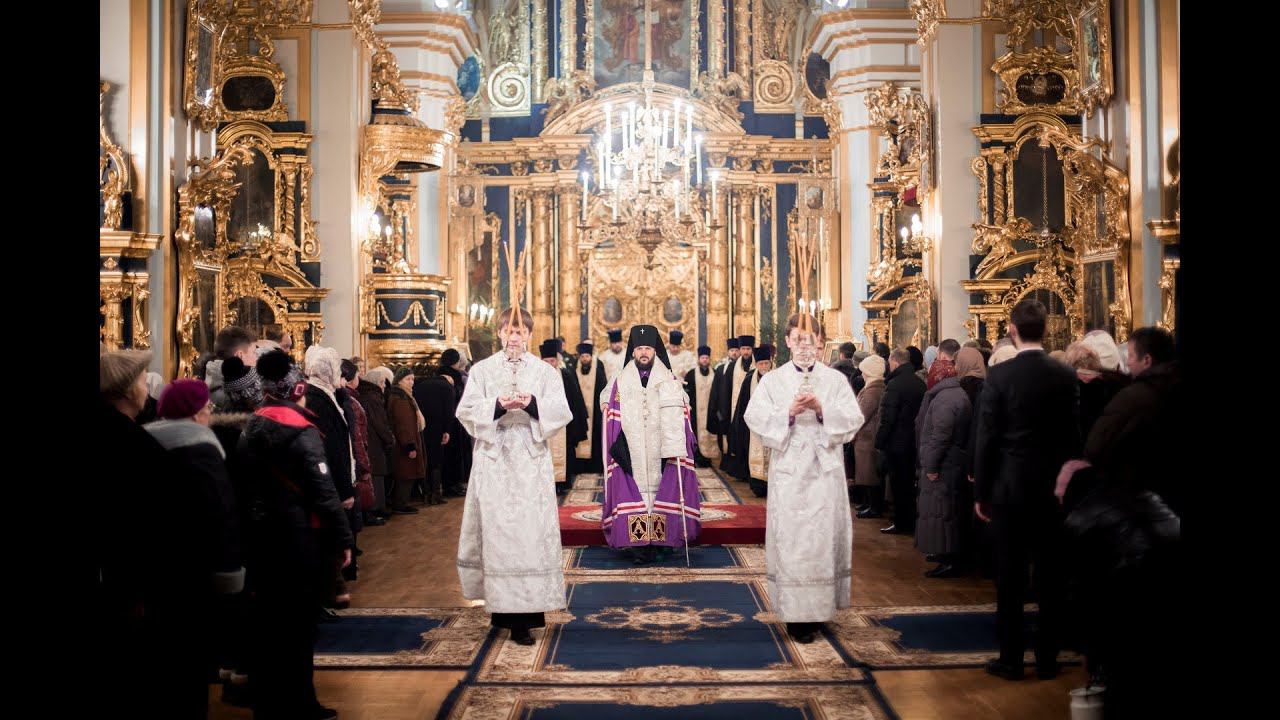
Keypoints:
pixel 375 520
pixel 522 637
pixel 894 530
pixel 1048 672
pixel 357 552
pixel 404 510
pixel 455 492
pixel 869 512
pixel 1000 669
pixel 933 557
pixel 327 615
pixel 323 713
pixel 804 638
pixel 943 570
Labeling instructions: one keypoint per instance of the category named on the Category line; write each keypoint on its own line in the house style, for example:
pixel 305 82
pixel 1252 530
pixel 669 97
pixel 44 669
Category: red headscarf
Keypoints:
pixel 941 369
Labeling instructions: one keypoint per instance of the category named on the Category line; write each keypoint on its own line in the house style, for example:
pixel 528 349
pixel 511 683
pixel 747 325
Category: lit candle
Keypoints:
pixel 812 306
pixel 916 227
pixel 675 127
pixel 601 161
pixel 688 129
pixel 631 121
pixel 666 115
pixel 608 124
pixel 697 161
pixel 800 305
pixel 585 178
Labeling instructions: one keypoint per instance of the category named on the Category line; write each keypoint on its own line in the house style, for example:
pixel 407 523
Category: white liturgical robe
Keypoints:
pixel 809 529
pixel 509 552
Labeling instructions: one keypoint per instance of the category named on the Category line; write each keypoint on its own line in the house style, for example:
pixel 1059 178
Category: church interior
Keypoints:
pixel 385 177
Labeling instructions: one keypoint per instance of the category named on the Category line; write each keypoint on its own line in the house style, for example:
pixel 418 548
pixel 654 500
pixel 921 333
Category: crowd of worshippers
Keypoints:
pixel 1054 473
pixel 279 466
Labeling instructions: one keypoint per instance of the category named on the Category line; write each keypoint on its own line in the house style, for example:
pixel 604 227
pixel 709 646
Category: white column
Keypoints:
pixel 865 49
pixel 335 153
pixel 953 86
pixel 430 47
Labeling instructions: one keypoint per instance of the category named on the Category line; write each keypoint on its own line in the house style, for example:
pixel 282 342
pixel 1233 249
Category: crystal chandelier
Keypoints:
pixel 649 176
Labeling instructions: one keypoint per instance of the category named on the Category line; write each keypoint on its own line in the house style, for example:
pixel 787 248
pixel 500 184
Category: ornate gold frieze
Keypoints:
pixel 1093 52
pixel 1024 17
pixel 723 92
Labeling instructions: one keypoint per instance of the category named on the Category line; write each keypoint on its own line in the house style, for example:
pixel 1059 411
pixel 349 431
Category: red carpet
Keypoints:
pixel 745 528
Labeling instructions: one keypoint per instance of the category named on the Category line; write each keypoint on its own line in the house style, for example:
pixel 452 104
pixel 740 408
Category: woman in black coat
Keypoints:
pixel 299 527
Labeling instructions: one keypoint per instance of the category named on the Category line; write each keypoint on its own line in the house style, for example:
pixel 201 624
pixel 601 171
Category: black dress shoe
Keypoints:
pixel 933 557
pixel 522 637
pixel 323 713
pixel 869 512
pixel 1001 669
pixel 375 520
pixel 404 510
pixel 1048 672
pixel 895 530
pixel 943 570
pixel 327 615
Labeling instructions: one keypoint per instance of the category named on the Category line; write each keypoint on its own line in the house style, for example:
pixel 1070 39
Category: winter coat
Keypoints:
pixel 332 424
pixel 903 393
pixel 1141 438
pixel 1095 394
pixel 864 443
pixel 299 522
pixel 403 412
pixel 943 430
pixel 381 439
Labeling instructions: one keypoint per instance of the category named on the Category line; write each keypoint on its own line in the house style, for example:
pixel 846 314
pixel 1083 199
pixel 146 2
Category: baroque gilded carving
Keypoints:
pixel 723 92
pixel 927 14
pixel 1039 79
pixel 113 167
pixel 1024 17
pixel 563 93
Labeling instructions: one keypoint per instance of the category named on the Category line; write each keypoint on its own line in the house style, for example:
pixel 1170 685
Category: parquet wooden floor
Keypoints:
pixel 409 562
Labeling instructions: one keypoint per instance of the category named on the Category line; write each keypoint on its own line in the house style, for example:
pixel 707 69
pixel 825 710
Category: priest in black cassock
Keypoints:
pixel 591 378
pixel 697 385
pixel 565 440
pixel 749 461
pixel 734 374
pixel 716 424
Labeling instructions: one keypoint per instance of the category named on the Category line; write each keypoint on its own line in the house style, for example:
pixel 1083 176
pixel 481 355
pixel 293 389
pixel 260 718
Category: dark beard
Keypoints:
pixel 644 364
pixel 586 368
pixel 705 370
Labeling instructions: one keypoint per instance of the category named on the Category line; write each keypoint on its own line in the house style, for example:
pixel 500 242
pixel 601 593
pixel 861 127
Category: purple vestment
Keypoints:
pixel 624 505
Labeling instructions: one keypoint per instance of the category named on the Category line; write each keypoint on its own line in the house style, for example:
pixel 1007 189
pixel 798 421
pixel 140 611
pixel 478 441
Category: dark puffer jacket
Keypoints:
pixel 299 522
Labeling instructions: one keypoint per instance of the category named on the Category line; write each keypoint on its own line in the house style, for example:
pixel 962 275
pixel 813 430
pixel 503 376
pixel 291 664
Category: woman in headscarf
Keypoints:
pixel 323 369
pixel 1002 353
pixel 866 475
pixel 930 354
pixel 409 460
pixel 942 436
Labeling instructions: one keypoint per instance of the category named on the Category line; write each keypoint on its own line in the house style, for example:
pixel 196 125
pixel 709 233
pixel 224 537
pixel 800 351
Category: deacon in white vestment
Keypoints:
pixel 809 529
pixel 509 552
pixel 615 357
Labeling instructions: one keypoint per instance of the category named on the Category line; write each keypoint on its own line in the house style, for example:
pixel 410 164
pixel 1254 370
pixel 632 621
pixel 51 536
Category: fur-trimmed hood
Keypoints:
pixel 173 434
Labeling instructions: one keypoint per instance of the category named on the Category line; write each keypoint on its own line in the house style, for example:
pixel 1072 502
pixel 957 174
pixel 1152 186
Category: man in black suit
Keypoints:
pixel 435 399
pixel 1027 428
pixel 896 438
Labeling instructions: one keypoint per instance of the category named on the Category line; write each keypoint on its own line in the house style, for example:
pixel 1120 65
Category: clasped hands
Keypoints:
pixel 518 401
pixel 804 401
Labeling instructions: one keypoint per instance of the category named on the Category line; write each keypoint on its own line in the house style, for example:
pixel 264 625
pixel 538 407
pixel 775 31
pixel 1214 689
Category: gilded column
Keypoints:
pixel 742 39
pixel 539 48
pixel 113 333
pixel 718 284
pixel 542 288
pixel 715 43
pixel 569 306
pixel 744 261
